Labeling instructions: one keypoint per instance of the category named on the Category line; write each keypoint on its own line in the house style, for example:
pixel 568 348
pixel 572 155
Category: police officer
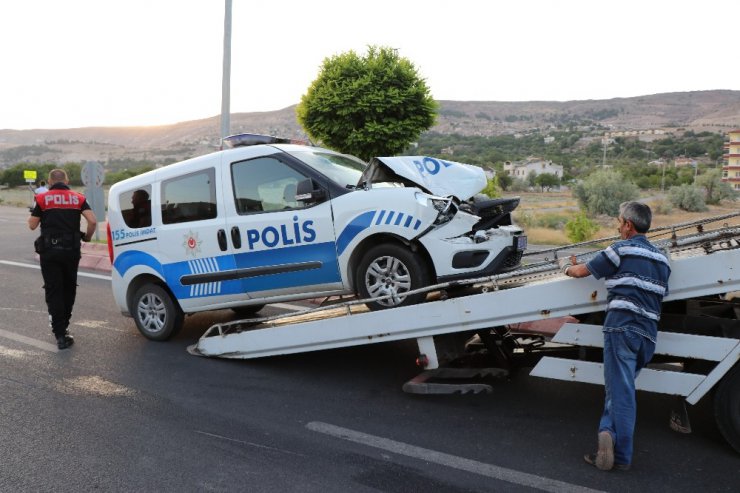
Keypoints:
pixel 58 211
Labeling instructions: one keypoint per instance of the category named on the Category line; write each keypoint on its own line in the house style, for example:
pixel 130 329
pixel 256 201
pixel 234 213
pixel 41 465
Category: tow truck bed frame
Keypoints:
pixel 706 264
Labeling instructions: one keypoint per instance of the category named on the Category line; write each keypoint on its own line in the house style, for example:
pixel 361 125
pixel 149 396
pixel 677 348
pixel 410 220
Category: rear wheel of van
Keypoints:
pixel 157 316
pixel 391 269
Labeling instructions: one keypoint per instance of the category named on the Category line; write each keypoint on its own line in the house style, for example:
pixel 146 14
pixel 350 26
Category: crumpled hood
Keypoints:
pixel 435 176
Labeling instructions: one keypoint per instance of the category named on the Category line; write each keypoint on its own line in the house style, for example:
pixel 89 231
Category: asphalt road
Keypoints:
pixel 119 413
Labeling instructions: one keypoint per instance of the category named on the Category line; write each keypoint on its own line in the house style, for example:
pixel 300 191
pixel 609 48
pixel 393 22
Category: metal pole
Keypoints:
pixel 662 180
pixel 226 77
pixel 603 162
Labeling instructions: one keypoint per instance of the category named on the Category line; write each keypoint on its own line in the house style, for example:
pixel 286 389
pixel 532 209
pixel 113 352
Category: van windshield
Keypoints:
pixel 343 169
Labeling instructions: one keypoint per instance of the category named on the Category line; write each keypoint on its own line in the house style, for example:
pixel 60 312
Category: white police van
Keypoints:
pixel 268 221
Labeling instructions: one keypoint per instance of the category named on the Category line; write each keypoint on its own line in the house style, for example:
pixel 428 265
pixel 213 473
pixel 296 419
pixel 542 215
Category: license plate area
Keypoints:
pixel 520 242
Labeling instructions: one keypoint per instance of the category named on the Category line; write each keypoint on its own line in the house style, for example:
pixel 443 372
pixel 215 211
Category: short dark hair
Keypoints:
pixel 57 175
pixel 639 214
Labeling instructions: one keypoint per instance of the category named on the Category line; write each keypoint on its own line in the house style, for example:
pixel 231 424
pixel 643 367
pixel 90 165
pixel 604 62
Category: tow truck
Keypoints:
pixel 467 332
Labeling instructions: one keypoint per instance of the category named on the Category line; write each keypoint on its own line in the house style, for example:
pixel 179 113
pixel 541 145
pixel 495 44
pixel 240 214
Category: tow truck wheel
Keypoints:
pixel 157 316
pixel 727 407
pixel 391 269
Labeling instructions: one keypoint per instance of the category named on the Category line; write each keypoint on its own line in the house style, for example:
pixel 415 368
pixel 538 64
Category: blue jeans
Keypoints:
pixel 625 354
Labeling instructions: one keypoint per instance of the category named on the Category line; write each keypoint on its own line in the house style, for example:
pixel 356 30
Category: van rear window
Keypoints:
pixel 190 197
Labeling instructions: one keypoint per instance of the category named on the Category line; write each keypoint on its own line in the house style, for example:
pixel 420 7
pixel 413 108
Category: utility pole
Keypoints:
pixel 662 179
pixel 603 161
pixel 226 77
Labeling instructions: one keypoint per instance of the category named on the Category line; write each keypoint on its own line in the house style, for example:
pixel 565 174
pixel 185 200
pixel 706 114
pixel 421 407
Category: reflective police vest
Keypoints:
pixel 61 209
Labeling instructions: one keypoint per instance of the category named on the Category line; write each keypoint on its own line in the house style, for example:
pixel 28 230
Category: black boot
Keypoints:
pixel 65 341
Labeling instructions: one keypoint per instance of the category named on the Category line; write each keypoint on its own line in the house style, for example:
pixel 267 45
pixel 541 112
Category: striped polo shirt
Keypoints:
pixel 636 275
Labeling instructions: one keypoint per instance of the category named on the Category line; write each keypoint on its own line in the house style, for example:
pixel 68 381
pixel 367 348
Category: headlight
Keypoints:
pixel 445 207
pixel 441 204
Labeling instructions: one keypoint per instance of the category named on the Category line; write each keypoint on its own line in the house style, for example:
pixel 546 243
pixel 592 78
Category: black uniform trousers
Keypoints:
pixel 59 270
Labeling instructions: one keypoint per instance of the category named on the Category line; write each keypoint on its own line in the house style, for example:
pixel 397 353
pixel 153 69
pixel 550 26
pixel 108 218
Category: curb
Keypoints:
pixel 95 257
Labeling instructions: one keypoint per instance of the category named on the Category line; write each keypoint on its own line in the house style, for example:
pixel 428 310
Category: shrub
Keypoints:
pixel 491 189
pixel 603 191
pixel 580 228
pixel 688 198
pixel 662 207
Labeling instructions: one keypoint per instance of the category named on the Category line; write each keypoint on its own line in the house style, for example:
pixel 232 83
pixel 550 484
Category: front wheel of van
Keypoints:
pixel 157 316
pixel 391 269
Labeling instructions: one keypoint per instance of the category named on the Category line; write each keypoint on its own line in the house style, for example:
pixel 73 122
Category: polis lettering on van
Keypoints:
pixel 431 166
pixel 282 235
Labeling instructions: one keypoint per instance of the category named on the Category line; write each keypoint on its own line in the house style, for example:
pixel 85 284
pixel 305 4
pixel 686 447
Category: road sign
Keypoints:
pixel 92 175
pixel 29 175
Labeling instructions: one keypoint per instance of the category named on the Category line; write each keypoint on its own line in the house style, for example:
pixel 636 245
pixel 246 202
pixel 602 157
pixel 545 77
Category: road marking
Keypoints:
pixel 33 266
pixel 481 468
pixel 52 348
pixel 251 444
pixel 283 306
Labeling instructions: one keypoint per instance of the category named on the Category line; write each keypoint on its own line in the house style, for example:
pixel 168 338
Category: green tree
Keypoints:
pixel 504 180
pixel 546 181
pixel 603 191
pixel 367 106
pixel 716 189
pixel 687 197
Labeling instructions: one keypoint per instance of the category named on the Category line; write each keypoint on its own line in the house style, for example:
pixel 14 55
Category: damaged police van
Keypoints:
pixel 270 221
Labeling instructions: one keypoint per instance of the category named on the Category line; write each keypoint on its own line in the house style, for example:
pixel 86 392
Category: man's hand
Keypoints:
pixel 564 264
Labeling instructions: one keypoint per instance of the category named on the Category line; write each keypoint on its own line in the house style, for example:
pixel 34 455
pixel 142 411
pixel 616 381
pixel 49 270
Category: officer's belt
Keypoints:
pixel 62 241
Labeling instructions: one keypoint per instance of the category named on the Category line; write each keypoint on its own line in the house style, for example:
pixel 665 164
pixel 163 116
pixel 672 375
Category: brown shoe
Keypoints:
pixel 605 453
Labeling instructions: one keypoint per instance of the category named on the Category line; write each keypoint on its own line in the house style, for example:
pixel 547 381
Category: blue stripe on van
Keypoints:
pixel 355 227
pixel 324 253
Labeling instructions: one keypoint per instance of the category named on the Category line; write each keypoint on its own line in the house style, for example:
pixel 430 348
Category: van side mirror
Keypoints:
pixel 307 191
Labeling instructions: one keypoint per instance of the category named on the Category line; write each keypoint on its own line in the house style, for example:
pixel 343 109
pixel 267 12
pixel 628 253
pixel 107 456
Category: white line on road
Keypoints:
pixel 52 348
pixel 32 266
pixel 489 470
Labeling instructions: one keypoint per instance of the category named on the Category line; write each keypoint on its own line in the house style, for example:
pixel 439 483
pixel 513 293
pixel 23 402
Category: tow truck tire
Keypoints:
pixel 156 315
pixel 390 267
pixel 247 311
pixel 727 407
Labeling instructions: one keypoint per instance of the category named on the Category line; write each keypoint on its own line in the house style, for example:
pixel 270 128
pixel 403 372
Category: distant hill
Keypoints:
pixel 700 110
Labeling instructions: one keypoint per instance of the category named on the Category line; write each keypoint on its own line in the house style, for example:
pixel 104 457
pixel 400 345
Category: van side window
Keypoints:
pixel 190 197
pixel 136 207
pixel 264 184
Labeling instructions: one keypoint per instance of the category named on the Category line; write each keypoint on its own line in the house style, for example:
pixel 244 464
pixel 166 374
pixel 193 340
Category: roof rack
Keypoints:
pixel 243 140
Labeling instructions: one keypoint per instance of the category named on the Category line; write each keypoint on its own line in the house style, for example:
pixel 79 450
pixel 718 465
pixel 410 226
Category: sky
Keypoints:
pixel 83 63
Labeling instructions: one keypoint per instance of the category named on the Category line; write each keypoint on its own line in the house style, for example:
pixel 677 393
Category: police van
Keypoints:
pixel 269 221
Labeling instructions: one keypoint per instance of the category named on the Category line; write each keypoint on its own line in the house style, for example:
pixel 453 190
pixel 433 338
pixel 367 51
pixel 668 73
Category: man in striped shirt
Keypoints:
pixel 636 275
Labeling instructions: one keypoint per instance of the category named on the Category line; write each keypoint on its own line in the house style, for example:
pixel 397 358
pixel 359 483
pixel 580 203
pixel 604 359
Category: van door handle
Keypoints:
pixel 236 237
pixel 221 235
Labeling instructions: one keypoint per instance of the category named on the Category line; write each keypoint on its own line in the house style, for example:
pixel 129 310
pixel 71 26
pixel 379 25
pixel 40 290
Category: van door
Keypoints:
pixel 281 246
pixel 197 260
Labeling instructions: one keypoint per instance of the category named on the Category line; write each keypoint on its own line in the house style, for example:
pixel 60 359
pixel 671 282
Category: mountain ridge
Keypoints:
pixel 714 110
